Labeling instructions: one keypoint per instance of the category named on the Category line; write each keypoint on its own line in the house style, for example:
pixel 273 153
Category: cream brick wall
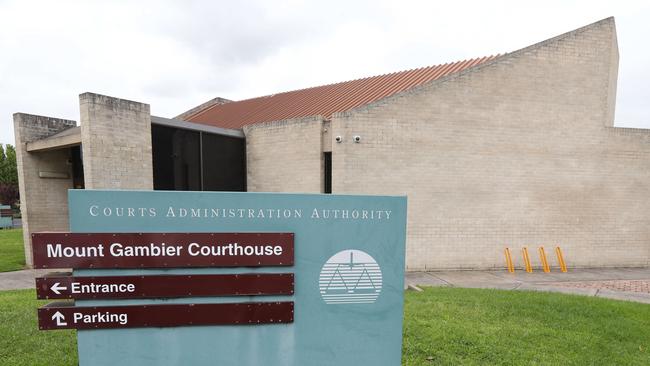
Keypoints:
pixel 44 202
pixel 285 156
pixel 516 152
pixel 116 143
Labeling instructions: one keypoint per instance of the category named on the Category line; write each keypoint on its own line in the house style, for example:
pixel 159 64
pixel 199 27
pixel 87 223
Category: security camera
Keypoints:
pixel 339 139
pixel 357 139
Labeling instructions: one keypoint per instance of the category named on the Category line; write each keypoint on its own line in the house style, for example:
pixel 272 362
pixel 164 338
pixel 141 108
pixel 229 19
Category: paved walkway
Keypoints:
pixel 17 280
pixel 632 284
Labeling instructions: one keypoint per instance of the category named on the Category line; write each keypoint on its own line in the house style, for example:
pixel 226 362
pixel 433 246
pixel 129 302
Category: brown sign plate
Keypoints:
pixel 62 316
pixel 162 250
pixel 157 286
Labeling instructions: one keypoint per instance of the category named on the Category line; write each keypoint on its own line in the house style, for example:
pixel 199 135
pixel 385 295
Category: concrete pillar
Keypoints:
pixel 43 201
pixel 116 143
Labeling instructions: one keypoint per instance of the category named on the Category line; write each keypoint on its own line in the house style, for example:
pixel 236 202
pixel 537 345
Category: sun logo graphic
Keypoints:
pixel 350 277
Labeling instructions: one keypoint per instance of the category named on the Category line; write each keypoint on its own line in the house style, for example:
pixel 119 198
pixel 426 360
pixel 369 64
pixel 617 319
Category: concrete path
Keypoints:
pixel 17 280
pixel 632 284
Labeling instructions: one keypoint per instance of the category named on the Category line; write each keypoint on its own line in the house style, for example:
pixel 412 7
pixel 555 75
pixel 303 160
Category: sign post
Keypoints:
pixel 204 278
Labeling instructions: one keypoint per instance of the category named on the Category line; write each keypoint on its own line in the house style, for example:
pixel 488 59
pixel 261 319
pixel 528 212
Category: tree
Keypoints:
pixel 3 160
pixel 8 175
pixel 11 165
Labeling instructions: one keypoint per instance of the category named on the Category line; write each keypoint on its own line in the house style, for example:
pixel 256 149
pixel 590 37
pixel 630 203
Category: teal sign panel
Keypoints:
pixel 349 278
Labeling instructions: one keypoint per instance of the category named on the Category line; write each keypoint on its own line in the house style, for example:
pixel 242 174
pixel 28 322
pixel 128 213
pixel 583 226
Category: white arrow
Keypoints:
pixel 59 319
pixel 56 287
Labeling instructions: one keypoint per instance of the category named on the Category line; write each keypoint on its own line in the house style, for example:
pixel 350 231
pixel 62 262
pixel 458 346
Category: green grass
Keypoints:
pixel 12 252
pixel 451 326
pixel 21 343
pixel 442 326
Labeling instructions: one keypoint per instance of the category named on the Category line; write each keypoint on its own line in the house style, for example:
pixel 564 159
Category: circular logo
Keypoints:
pixel 350 277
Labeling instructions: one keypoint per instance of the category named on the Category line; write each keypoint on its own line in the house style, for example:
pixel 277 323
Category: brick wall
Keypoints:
pixel 516 152
pixel 285 156
pixel 116 143
pixel 44 202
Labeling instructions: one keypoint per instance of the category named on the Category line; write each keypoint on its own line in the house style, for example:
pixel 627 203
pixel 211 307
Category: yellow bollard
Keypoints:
pixel 542 256
pixel 529 268
pixel 560 259
pixel 511 267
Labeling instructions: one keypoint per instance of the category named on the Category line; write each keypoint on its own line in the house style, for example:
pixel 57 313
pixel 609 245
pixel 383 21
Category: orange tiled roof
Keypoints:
pixel 323 100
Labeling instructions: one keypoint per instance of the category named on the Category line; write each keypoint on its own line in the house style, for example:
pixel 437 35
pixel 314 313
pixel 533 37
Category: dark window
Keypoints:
pixel 224 163
pixel 197 161
pixel 176 159
pixel 77 167
pixel 327 172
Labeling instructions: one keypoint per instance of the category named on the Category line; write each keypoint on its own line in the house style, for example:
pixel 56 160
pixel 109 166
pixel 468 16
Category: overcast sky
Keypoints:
pixel 175 55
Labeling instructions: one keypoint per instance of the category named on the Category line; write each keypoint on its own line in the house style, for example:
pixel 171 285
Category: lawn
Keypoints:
pixel 12 253
pixel 452 326
pixel 21 343
pixel 443 326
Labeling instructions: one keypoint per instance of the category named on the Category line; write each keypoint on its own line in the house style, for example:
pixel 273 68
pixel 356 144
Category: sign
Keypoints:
pixel 348 268
pixel 161 286
pixel 62 316
pixel 164 250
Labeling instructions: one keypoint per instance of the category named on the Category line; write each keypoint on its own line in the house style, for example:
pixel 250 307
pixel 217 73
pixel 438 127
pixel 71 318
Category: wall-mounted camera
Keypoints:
pixel 338 139
pixel 357 139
